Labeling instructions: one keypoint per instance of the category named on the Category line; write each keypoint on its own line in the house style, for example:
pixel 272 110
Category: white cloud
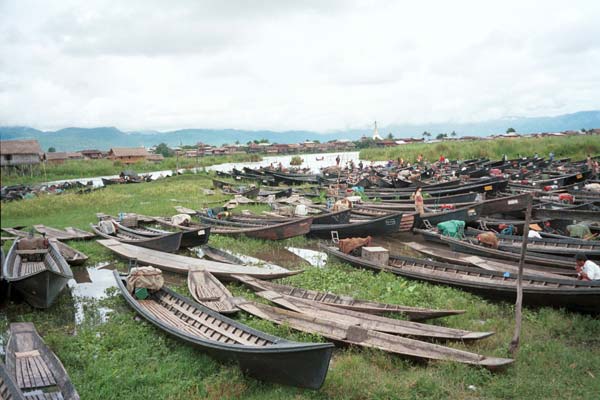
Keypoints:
pixel 318 65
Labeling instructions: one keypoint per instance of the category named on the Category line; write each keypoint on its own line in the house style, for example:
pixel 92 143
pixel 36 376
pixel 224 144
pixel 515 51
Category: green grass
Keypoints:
pixel 92 168
pixel 577 147
pixel 127 358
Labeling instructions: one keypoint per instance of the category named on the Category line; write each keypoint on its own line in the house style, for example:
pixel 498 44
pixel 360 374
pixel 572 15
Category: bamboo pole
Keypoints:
pixel 514 344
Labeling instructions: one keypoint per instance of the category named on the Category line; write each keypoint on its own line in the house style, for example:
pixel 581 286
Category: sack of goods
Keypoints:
pixel 453 228
pixel 488 238
pixel 148 278
pixel 181 219
pixel 347 246
pixel 107 227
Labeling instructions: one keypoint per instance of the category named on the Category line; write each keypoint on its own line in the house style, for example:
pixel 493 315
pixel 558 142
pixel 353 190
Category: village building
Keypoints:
pixel 20 154
pixel 128 155
pixel 92 154
pixel 155 158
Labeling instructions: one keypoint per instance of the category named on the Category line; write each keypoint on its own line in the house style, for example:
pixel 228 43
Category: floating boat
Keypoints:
pixel 357 335
pixel 182 264
pixel 37 272
pixel 258 354
pixel 35 369
pixel 208 291
pixel 168 242
pixel 346 302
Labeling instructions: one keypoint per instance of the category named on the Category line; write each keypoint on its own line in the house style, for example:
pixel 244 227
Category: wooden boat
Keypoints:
pixel 444 254
pixel 579 215
pixel 345 302
pixel 38 273
pixel 168 243
pixel 357 335
pixel 73 256
pixel 193 237
pixel 182 264
pixel 386 224
pixel 473 247
pixel 69 233
pixel 36 370
pixel 567 246
pixel 539 291
pixel 284 230
pixel 370 321
pixel 208 291
pixel 489 186
pixel 258 354
pixel 8 387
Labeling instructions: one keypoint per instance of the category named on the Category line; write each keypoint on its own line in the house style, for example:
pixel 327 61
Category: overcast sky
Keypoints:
pixel 315 65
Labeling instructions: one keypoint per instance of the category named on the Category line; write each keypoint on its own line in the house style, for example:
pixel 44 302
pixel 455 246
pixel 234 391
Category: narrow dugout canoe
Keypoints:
pixel 8 386
pixel 357 335
pixel 369 321
pixel 345 302
pixel 208 291
pixel 182 264
pixel 168 243
pixel 69 233
pixel 258 354
pixel 189 237
pixel 539 291
pixel 36 370
pixel 284 230
pixel 38 273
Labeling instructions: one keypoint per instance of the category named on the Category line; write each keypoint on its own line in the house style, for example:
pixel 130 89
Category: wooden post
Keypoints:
pixel 514 344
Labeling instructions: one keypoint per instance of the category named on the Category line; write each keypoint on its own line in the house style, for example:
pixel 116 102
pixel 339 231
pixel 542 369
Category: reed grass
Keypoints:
pixel 576 147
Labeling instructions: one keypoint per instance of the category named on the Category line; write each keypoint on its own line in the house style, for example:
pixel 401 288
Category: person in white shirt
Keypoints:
pixel 587 270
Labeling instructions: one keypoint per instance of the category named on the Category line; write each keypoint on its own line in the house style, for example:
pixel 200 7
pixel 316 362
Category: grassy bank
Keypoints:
pixel 576 147
pixel 126 358
pixel 91 168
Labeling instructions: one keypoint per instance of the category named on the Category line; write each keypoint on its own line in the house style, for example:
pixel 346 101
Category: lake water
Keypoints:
pixel 313 161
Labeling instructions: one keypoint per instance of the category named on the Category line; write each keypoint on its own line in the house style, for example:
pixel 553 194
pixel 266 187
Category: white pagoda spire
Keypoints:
pixel 376 133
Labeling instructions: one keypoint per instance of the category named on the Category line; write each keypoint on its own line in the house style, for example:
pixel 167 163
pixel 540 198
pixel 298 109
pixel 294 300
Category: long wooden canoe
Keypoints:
pixel 168 242
pixel 473 247
pixel 258 354
pixel 193 237
pixel 73 256
pixel 182 264
pixel 36 370
pixel 388 223
pixel 208 291
pixel 357 335
pixel 537 290
pixel 284 230
pixel 39 274
pixel 8 387
pixel 69 233
pixel 345 302
pixel 370 321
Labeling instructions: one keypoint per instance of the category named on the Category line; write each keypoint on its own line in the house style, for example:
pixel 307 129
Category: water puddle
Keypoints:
pixel 90 285
pixel 313 257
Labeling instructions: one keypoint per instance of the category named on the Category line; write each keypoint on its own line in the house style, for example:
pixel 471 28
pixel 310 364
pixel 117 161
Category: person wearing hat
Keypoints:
pixel 587 270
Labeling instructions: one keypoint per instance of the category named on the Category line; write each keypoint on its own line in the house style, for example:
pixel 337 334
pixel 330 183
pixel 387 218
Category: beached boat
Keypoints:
pixel 38 272
pixel 182 264
pixel 258 354
pixel 208 291
pixel 34 368
pixel 346 302
pixel 284 230
pixel 385 224
pixel 69 233
pixel 168 242
pixel 538 291
pixel 370 321
pixel 355 334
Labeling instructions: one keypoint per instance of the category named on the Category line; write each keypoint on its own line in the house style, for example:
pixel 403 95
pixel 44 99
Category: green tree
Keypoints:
pixel 441 136
pixel 51 150
pixel 453 134
pixel 164 150
pixel 390 136
pixel 510 130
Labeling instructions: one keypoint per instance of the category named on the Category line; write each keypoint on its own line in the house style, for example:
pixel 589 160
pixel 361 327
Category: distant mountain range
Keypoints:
pixel 103 138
